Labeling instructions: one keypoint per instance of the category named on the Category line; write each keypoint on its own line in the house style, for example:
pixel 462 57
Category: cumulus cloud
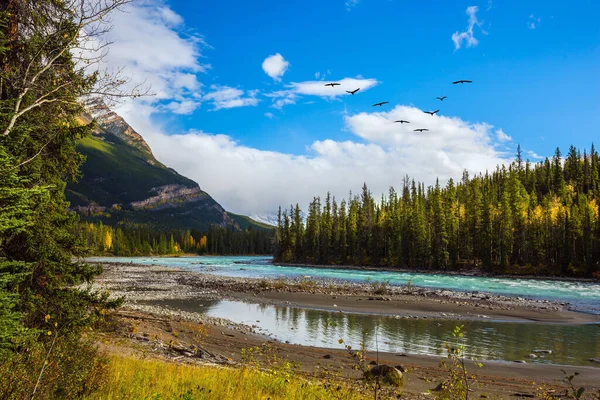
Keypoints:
pixel 229 97
pixel 255 181
pixel 269 115
pixel 503 137
pixel 380 154
pixel 295 90
pixel 275 66
pixel 168 65
pixel 468 36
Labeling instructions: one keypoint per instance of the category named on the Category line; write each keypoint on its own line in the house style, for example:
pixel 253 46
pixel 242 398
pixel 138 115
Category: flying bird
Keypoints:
pixel 403 121
pixel 431 112
pixel 380 104
pixel 442 98
pixel 461 81
pixel 421 130
pixel 352 91
pixel 332 84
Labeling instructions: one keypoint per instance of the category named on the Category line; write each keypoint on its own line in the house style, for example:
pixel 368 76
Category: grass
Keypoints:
pixel 131 378
pixel 117 172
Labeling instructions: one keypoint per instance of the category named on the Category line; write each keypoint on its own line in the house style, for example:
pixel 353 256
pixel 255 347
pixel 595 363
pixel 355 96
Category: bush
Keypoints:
pixel 67 368
pixel 380 287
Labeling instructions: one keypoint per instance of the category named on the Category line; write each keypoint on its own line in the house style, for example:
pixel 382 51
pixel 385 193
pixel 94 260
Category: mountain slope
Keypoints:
pixel 123 182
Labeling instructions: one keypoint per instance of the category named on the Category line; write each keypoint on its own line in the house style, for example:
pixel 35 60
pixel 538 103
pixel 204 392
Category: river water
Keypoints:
pixel 583 296
pixel 508 341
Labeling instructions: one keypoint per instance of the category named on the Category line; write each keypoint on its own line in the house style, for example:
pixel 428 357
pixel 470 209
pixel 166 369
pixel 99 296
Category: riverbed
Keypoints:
pixel 318 313
pixel 580 296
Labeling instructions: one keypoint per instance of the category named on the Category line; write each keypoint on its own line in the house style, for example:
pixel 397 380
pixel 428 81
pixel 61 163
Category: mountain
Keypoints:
pixel 122 181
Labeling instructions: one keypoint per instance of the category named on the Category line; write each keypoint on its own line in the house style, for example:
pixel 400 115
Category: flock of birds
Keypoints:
pixel 402 121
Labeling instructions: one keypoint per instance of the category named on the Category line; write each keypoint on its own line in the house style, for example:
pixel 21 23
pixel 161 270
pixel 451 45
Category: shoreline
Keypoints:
pixel 463 272
pixel 156 282
pixel 470 272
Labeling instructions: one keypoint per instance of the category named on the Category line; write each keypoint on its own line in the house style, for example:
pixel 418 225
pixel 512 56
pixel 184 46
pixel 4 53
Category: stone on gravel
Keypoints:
pixel 387 374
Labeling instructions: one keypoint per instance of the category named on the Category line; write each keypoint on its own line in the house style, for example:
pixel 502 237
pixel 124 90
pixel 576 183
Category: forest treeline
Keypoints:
pixel 137 240
pixel 522 218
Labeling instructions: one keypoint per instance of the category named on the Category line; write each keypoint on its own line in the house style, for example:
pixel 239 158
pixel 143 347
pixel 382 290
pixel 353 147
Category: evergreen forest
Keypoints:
pixel 525 218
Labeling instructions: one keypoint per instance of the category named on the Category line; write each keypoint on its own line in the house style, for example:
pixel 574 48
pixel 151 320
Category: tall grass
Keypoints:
pixel 131 378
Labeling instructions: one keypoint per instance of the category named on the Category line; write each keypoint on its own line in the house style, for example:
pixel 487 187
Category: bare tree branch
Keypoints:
pixel 84 24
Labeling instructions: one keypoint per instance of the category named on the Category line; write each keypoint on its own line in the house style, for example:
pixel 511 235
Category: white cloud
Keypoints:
pixel 275 66
pixel 269 115
pixel 229 97
pixel 503 137
pixel 254 181
pixel 317 75
pixel 151 45
pixel 295 90
pixel 350 4
pixel 533 21
pixel 533 154
pixel 468 36
pixel 184 107
pixel 282 98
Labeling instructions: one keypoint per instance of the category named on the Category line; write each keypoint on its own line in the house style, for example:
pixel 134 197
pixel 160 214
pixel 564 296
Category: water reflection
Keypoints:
pixel 570 344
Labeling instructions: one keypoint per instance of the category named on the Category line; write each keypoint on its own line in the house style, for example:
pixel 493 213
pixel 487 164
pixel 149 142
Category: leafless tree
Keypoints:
pixel 61 50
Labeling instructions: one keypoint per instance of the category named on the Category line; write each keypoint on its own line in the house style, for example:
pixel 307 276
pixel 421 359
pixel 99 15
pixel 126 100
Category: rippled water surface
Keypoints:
pixel 584 296
pixel 570 344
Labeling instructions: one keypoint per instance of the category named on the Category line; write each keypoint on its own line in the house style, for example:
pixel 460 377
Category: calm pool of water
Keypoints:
pixel 570 344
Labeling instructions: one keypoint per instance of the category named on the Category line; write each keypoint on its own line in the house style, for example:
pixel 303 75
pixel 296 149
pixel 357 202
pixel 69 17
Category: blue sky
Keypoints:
pixel 523 76
pixel 534 65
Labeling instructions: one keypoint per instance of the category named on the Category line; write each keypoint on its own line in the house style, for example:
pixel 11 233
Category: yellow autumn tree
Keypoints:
pixel 202 243
pixel 108 239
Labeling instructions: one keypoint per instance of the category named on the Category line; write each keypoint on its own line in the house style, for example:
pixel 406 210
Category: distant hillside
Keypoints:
pixel 123 182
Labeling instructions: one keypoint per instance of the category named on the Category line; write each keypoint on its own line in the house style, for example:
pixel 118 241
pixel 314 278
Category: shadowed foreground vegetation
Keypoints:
pixel 131 378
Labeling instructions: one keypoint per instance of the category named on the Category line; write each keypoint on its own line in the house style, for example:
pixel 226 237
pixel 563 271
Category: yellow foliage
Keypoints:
pixel 108 240
pixel 594 207
pixel 191 241
pixel 202 242
pixel 461 211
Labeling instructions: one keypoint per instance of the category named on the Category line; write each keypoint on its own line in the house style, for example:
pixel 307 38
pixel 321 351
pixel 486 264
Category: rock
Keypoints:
pixel 401 368
pixel 387 374
pixel 438 388
pixel 520 361
pixel 328 356
pixel 373 362
pixel 595 360
pixel 532 356
pixel 543 351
